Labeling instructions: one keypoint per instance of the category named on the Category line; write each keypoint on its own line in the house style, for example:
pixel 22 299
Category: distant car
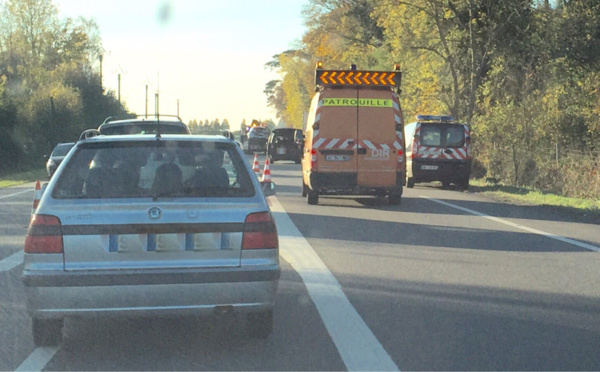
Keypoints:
pixel 146 225
pixel 285 144
pixel 257 139
pixel 57 156
pixel 164 124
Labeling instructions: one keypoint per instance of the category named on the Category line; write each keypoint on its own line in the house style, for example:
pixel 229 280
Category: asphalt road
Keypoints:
pixel 445 281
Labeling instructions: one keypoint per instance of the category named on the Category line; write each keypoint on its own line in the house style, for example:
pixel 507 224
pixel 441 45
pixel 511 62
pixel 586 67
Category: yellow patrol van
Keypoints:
pixel 438 149
pixel 354 139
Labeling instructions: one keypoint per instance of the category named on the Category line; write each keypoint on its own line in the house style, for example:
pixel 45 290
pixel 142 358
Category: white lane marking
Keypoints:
pixel 518 226
pixel 37 360
pixel 357 345
pixel 11 261
pixel 17 193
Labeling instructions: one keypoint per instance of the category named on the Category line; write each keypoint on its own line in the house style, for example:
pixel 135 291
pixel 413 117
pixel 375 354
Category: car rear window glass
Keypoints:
pixel 258 132
pixel 145 128
pixel 431 135
pixel 62 149
pixel 135 169
pixel 442 135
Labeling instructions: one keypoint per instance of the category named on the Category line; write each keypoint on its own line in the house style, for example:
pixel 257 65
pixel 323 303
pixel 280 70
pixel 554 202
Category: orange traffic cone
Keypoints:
pixel 255 166
pixel 37 196
pixel 267 172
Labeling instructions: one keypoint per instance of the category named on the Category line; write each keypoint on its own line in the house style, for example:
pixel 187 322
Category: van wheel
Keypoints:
pixel 395 198
pixel 313 197
pixel 260 325
pixel 304 189
pixel 410 182
pixel 47 332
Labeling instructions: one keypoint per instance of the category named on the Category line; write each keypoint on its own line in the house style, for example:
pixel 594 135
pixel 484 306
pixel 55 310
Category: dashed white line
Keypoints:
pixel 16 193
pixel 357 345
pixel 518 226
pixel 11 261
pixel 37 360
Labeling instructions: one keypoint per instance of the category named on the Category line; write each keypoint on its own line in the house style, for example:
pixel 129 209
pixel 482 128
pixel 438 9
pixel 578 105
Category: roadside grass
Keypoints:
pixel 523 196
pixel 19 178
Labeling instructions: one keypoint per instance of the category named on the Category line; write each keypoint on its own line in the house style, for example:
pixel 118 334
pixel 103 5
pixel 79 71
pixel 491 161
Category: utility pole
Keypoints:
pixel 100 58
pixel 146 113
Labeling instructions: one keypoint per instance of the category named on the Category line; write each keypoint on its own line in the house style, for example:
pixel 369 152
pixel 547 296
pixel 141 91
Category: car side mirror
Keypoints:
pixel 268 188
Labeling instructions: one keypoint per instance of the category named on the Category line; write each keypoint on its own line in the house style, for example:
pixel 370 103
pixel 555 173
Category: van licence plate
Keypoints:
pixel 333 157
pixel 429 167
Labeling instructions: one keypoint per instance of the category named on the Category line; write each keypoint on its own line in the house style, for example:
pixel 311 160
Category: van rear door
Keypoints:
pixel 378 113
pixel 335 139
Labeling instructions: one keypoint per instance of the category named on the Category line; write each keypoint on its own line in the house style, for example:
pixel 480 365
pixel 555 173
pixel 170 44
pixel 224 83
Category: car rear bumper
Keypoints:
pixel 447 170
pixel 343 183
pixel 158 293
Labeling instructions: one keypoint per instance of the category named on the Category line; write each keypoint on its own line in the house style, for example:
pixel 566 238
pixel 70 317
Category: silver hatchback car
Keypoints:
pixel 145 225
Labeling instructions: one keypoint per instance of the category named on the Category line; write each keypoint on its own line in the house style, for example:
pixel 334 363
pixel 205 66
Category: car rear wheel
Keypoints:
pixel 260 325
pixel 395 197
pixel 313 197
pixel 47 332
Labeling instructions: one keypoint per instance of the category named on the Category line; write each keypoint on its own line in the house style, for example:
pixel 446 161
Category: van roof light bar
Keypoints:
pixel 437 118
pixel 356 78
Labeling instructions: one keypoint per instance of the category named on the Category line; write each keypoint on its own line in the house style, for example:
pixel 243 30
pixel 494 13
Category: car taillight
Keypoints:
pixel 400 162
pixel 260 232
pixel 44 235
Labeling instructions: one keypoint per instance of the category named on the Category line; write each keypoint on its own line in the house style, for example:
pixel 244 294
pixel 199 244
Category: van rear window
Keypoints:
pixel 440 135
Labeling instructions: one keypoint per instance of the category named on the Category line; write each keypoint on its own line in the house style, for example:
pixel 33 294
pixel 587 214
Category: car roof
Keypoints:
pixel 149 137
pixel 149 121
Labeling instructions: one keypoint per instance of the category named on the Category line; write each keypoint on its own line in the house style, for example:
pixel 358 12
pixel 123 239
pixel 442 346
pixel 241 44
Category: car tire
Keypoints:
pixel 260 325
pixel 410 182
pixel 47 332
pixel 313 197
pixel 395 197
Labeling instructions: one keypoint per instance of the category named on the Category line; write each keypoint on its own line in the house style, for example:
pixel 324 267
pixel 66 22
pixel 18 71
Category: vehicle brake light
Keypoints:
pixel 260 232
pixel 44 235
pixel 313 160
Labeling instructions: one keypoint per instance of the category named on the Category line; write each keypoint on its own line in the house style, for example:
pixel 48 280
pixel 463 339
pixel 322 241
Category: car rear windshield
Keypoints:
pixel 62 149
pixel 442 135
pixel 141 169
pixel 144 128
pixel 285 134
pixel 259 133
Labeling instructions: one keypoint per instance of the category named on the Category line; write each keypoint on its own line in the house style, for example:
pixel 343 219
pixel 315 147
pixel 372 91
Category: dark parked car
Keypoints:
pixel 285 144
pixel 257 139
pixel 56 157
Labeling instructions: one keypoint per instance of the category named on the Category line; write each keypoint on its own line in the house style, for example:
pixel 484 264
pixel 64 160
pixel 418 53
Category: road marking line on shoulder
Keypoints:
pixel 357 345
pixel 11 261
pixel 37 360
pixel 16 193
pixel 518 226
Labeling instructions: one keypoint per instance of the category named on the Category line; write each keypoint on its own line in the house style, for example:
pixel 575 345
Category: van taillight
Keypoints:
pixel 313 160
pixel 44 235
pixel 260 232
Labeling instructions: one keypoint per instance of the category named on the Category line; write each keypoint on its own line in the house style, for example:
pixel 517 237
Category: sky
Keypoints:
pixel 206 55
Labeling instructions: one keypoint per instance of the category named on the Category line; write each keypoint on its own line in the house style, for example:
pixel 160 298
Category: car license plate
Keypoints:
pixel 429 167
pixel 281 150
pixel 333 157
